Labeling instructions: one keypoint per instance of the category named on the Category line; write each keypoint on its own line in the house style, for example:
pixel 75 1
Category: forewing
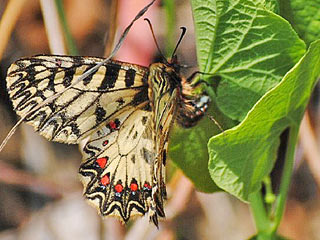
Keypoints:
pixel 163 95
pixel 116 168
pixel 165 109
pixel 81 108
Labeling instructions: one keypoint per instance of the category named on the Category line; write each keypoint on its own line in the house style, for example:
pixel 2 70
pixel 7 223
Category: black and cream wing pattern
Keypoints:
pixel 81 109
pixel 123 111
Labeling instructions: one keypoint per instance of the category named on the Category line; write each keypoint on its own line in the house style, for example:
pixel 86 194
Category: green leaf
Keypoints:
pixel 250 47
pixel 242 156
pixel 169 7
pixel 188 151
pixel 306 18
pixel 274 237
pixel 272 5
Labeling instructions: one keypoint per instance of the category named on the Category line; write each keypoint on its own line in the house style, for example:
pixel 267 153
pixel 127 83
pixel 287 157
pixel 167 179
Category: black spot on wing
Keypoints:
pixel 110 77
pixel 133 158
pixel 120 101
pixel 144 120
pixel 51 80
pixel 100 114
pixel 75 129
pixel 140 97
pixel 88 79
pixel 164 157
pixel 135 135
pixel 147 155
pixel 131 129
pixel 129 77
pixel 147 108
pixel 68 76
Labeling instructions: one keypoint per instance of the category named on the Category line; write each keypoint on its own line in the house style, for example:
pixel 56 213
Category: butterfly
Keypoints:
pixel 123 111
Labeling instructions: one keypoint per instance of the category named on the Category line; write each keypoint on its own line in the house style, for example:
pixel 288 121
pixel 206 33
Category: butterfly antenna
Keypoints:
pixel 125 32
pixel 184 30
pixel 155 40
pixel 12 131
pixel 83 76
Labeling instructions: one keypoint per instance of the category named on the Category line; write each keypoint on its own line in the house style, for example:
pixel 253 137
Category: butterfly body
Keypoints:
pixel 123 111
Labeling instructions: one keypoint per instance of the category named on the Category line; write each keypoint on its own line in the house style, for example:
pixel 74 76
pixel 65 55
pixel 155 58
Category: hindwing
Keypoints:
pixel 117 163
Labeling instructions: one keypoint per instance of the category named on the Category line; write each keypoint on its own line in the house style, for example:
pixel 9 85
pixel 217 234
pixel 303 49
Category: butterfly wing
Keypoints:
pixel 81 108
pixel 123 169
pixel 116 167
pixel 164 89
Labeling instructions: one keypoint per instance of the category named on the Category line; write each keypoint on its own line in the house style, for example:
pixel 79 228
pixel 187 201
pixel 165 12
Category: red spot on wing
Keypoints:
pixel 146 185
pixel 113 125
pixel 102 162
pixel 118 188
pixel 105 180
pixel 133 187
pixel 105 143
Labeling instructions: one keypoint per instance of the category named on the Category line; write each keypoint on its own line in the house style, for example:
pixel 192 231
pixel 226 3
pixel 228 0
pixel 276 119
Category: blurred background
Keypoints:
pixel 40 194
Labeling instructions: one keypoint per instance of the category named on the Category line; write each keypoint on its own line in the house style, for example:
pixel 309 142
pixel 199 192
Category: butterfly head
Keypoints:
pixel 173 63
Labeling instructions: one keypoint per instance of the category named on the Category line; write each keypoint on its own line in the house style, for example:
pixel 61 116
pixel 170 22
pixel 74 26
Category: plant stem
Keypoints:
pixel 8 21
pixel 72 49
pixel 112 19
pixel 169 6
pixel 259 214
pixel 266 226
pixel 286 177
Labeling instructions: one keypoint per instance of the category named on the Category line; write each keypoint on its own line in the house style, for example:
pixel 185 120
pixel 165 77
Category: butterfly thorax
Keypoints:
pixel 164 88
